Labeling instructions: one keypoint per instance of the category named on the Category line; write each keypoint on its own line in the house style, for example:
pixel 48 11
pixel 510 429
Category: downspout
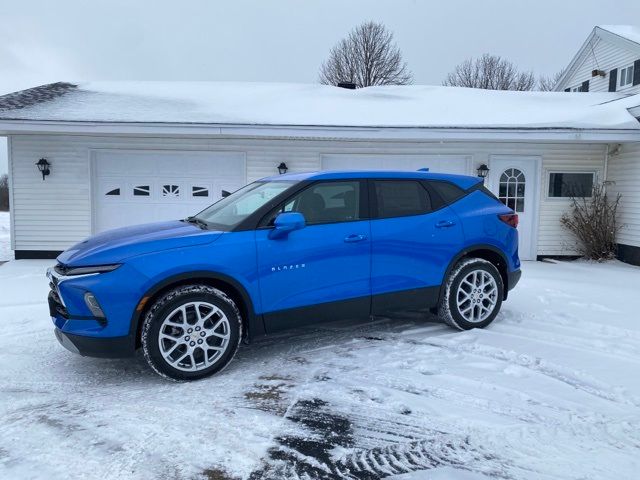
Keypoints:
pixel 606 169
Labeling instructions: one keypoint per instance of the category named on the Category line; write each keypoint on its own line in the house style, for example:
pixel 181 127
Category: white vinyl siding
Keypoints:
pixel 603 56
pixel 56 213
pixel 624 175
pixel 553 239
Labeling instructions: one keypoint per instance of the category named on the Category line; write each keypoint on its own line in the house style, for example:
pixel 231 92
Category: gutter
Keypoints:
pixel 20 127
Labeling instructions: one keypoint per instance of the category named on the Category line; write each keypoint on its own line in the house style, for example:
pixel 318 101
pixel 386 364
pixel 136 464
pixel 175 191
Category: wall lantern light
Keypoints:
pixel 44 167
pixel 483 170
pixel 282 168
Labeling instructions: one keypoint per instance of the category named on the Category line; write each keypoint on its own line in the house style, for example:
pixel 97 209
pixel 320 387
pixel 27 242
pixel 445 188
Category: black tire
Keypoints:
pixel 167 304
pixel 448 309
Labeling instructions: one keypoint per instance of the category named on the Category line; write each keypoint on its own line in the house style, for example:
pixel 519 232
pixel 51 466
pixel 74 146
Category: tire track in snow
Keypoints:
pixel 574 379
pixel 314 454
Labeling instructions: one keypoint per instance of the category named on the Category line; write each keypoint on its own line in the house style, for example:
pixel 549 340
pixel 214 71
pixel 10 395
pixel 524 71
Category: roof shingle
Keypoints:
pixel 34 96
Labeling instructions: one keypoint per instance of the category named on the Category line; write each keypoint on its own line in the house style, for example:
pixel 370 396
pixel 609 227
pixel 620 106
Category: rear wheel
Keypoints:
pixel 472 296
pixel 191 332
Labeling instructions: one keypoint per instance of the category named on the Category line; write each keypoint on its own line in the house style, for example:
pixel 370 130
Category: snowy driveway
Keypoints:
pixel 550 390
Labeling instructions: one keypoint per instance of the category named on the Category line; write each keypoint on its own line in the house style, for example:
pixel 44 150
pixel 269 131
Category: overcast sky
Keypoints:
pixel 43 41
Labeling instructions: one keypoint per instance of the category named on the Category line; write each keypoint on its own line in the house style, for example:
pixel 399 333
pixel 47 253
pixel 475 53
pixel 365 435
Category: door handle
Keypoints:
pixel 445 224
pixel 354 238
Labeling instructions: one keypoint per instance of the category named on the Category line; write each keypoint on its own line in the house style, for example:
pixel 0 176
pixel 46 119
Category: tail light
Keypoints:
pixel 510 219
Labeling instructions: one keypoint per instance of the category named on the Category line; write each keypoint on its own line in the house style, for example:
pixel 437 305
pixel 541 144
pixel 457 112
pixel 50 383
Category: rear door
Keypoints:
pixel 321 272
pixel 414 237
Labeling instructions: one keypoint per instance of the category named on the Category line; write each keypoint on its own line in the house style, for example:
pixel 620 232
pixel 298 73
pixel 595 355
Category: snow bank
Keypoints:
pixel 320 105
pixel 549 390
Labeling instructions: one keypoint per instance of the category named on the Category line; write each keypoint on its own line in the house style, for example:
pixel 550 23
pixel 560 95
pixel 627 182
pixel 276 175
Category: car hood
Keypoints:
pixel 113 246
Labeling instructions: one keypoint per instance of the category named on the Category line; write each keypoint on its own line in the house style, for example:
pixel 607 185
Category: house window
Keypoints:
pixel 576 89
pixel 512 188
pixel 141 191
pixel 570 184
pixel 114 192
pixel 626 76
pixel 171 191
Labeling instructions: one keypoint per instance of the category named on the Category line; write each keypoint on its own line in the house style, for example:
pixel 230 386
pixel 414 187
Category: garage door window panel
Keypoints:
pixel 199 191
pixel 141 190
pixel 171 190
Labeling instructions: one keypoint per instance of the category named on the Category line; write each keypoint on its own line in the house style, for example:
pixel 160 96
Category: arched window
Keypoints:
pixel 512 188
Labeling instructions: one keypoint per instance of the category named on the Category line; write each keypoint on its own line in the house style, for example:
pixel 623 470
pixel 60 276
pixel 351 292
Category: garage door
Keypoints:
pixel 459 164
pixel 139 187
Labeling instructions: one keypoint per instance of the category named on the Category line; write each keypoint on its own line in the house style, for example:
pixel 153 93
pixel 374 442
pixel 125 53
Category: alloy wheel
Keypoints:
pixel 194 336
pixel 476 296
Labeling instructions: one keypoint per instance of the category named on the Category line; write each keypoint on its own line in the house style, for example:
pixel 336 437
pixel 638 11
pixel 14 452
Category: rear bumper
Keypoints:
pixel 513 278
pixel 109 347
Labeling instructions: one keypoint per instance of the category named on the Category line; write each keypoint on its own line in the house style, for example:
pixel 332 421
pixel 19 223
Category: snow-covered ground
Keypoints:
pixel 551 390
pixel 5 246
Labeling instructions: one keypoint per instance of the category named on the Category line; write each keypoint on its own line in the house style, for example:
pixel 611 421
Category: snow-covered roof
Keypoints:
pixel 630 32
pixel 285 104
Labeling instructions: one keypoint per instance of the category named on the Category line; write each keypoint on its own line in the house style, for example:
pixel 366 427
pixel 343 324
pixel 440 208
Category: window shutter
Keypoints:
pixel 613 80
pixel 585 86
pixel 567 89
pixel 636 72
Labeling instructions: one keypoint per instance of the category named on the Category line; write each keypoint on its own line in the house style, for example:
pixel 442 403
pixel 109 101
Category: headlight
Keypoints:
pixel 70 271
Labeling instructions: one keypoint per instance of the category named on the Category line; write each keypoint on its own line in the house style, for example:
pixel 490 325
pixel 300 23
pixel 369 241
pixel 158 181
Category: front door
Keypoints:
pixel 514 180
pixel 323 271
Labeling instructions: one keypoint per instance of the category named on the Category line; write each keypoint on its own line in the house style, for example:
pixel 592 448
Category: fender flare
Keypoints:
pixel 468 249
pixel 254 327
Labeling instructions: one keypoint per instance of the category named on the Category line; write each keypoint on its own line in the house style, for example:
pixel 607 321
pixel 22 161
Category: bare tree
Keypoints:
pixel 546 84
pixel 490 72
pixel 4 192
pixel 367 56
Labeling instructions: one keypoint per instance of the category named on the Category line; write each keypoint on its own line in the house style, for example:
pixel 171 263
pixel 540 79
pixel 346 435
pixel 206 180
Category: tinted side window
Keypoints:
pixel 447 191
pixel 325 202
pixel 399 198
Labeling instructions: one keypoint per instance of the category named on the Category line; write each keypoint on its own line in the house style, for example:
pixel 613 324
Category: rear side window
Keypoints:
pixel 400 198
pixel 447 191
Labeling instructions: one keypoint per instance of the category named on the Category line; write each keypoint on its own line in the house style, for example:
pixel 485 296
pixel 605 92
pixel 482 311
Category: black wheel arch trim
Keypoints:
pixel 255 325
pixel 466 251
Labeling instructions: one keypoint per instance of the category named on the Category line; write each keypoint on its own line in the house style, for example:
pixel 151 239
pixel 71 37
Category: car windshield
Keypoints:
pixel 230 211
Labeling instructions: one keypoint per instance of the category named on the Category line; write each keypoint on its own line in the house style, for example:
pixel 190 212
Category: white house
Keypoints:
pixel 608 61
pixel 132 152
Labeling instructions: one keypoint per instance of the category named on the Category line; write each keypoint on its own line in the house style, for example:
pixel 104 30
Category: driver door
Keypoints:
pixel 321 272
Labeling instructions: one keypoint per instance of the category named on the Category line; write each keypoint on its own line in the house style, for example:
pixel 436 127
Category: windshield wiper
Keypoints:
pixel 201 223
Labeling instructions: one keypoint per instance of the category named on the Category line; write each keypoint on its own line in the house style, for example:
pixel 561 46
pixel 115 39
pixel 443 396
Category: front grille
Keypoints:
pixel 56 308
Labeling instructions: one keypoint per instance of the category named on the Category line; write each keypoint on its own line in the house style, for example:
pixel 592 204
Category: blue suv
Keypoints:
pixel 283 252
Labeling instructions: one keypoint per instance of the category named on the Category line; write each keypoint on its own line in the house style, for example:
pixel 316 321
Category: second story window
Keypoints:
pixel 626 76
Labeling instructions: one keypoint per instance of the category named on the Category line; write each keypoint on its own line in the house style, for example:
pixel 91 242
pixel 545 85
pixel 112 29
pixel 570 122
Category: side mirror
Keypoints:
pixel 285 223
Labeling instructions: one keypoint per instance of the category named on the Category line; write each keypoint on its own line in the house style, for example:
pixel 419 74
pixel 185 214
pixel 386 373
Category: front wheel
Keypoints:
pixel 191 332
pixel 473 295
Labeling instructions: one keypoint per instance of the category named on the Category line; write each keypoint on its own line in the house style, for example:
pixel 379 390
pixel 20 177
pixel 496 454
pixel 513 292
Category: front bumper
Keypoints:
pixel 110 347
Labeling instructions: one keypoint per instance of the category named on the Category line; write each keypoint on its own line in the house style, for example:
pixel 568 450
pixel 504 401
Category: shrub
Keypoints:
pixel 593 222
